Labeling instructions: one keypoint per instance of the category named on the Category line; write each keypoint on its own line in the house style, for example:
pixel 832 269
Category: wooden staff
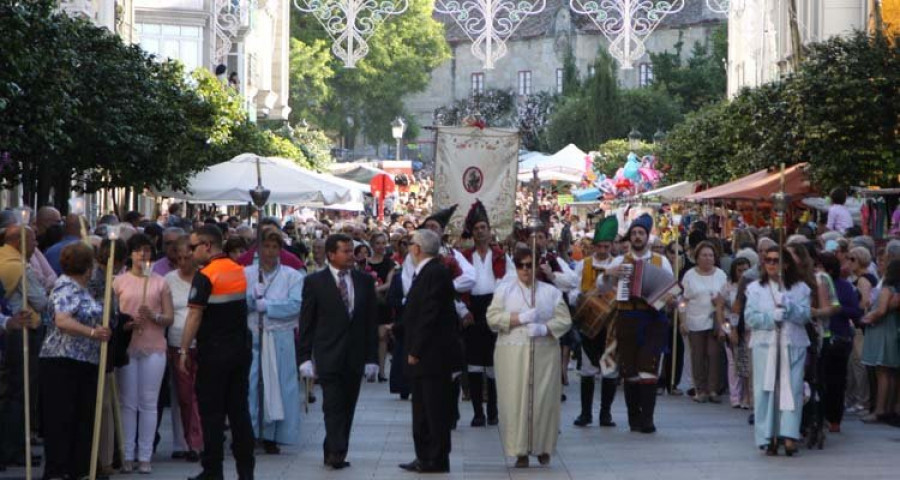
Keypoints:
pixel 779 204
pixel 104 346
pixel 675 320
pixel 24 215
pixel 535 224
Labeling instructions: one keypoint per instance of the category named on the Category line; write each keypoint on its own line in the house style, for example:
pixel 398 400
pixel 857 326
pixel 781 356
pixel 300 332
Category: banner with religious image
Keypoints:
pixel 474 163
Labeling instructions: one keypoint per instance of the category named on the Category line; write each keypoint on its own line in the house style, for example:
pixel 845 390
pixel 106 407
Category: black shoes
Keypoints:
pixel 426 467
pixel 583 421
pixel 204 475
pixel 336 462
pixel 270 447
pixel 478 421
pixel 606 419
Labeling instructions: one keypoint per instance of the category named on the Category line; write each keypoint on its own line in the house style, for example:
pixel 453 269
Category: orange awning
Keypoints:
pixel 760 185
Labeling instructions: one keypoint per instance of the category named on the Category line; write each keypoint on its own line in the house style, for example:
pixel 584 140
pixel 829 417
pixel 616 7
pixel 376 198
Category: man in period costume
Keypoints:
pixel 591 271
pixel 489 264
pixel 640 331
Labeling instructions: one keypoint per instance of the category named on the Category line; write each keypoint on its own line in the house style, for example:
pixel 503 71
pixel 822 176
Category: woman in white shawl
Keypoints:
pixel 278 300
pixel 778 299
pixel 529 419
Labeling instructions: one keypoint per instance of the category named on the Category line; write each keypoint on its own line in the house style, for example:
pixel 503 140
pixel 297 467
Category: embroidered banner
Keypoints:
pixel 473 163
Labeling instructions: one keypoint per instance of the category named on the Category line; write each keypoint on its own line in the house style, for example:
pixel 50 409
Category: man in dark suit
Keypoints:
pixel 338 340
pixel 432 344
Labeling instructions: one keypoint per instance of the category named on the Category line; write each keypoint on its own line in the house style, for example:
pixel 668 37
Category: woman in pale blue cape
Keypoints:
pixel 770 304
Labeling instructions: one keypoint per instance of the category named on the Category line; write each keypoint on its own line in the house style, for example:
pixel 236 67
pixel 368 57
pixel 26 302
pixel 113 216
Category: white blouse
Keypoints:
pixel 699 290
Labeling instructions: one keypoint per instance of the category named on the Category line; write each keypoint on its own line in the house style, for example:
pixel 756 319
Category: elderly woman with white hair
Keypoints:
pixel 859 261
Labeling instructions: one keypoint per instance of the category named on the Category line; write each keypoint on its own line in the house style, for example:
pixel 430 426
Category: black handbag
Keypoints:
pixel 118 344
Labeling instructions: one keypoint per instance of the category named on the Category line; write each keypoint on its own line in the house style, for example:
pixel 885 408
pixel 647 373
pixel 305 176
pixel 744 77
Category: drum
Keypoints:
pixel 594 311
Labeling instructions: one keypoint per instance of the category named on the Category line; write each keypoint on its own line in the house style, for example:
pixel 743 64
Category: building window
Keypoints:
pixel 478 83
pixel 645 74
pixel 525 82
pixel 176 42
pixel 559 80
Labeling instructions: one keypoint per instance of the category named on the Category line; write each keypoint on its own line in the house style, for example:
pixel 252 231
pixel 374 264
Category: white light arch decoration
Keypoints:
pixel 489 23
pixel 626 23
pixel 719 6
pixel 350 23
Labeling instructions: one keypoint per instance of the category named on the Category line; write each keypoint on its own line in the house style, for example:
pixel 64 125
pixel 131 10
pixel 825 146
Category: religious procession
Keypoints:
pixel 213 234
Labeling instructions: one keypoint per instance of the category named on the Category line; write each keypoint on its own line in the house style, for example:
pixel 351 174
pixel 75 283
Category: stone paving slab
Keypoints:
pixel 694 442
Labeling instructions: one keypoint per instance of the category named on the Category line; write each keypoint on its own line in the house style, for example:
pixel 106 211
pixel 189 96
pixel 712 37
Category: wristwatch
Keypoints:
pixel 182 351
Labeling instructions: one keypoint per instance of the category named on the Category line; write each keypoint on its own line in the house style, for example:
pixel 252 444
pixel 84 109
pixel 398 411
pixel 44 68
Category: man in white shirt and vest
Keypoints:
pixel 640 331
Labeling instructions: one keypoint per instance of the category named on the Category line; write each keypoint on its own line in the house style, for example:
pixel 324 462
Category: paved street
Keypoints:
pixel 694 442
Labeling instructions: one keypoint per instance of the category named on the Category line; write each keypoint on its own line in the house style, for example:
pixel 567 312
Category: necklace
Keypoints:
pixel 524 295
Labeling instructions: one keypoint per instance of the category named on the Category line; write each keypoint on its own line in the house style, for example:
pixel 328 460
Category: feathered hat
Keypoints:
pixel 606 229
pixel 477 213
pixel 442 217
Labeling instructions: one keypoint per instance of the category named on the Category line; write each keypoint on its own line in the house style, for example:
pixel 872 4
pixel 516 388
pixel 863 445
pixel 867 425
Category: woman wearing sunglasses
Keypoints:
pixel 779 298
pixel 528 330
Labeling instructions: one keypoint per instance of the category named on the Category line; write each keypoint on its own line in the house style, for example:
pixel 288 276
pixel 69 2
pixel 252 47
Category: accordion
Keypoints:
pixel 647 282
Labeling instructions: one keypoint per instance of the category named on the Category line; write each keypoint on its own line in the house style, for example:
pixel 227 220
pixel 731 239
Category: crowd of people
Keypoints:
pixel 214 318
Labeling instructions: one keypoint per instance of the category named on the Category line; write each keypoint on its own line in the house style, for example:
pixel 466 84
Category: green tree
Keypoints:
pixel 310 73
pixel 840 112
pixel 402 53
pixel 700 80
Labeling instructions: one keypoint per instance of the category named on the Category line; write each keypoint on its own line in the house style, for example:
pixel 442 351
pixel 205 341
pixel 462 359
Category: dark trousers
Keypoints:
pixel 339 395
pixel 398 380
pixel 68 401
pixel 431 417
pixel 835 354
pixel 222 387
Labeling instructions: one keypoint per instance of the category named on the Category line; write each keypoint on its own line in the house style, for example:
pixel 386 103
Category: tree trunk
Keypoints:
pixel 876 19
pixel 796 39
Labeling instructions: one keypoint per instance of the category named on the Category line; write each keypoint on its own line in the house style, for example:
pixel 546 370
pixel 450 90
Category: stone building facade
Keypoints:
pixel 759 34
pixel 536 53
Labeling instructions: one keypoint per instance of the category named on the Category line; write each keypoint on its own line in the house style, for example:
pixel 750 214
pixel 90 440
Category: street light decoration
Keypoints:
pixel 489 23
pixel 350 23
pixel 626 23
pixel 719 6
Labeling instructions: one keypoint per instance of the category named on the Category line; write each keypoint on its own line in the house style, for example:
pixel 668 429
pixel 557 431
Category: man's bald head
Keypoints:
pixel 13 238
pixel 45 218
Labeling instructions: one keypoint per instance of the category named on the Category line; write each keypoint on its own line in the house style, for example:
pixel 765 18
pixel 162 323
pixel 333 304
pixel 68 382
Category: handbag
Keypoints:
pixel 121 338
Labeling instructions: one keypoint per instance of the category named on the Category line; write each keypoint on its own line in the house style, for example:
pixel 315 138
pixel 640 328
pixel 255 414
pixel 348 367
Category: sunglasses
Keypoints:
pixel 195 245
pixel 771 260
pixel 523 266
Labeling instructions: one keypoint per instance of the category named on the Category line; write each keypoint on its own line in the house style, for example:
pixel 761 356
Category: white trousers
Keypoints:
pixel 139 383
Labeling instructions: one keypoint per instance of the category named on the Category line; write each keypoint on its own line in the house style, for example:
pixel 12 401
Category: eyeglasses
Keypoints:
pixel 771 260
pixel 523 266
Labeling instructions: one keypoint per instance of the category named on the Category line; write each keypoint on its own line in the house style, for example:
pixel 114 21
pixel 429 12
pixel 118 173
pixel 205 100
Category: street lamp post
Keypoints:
pixel 634 138
pixel 659 139
pixel 398 127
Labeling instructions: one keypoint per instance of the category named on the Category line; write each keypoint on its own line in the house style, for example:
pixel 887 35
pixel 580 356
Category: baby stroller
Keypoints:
pixel 813 426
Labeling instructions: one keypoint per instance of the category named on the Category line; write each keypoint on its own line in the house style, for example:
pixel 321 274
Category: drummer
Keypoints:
pixel 590 273
pixel 640 331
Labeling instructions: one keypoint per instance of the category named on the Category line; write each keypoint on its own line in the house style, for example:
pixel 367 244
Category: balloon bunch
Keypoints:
pixel 637 175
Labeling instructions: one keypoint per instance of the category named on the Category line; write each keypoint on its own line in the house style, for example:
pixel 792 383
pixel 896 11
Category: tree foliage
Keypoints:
pixel 99 113
pixel 600 111
pixel 402 53
pixel 701 79
pixel 840 112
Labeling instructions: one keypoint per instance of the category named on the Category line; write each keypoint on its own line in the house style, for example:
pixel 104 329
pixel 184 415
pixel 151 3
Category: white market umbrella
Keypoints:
pixel 229 183
pixel 551 175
